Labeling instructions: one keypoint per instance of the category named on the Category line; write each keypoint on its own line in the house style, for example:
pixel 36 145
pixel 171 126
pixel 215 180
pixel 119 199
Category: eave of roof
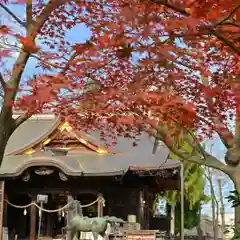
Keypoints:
pixel 81 163
pixel 86 164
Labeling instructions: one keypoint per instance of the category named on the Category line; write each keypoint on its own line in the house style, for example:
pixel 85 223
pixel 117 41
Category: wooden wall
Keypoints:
pixel 124 196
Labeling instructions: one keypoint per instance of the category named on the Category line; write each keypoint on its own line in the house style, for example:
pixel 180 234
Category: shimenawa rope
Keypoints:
pixel 55 210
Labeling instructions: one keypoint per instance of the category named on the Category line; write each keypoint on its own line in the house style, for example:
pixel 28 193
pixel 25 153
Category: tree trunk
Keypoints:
pixel 6 130
pixel 3 143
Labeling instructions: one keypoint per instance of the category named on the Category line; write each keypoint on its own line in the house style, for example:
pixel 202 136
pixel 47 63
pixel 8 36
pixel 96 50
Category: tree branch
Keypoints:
pixel 3 83
pixel 210 29
pixel 19 66
pixel 223 132
pixel 21 119
pixel 18 20
pixel 171 6
pixel 229 16
pixel 29 13
pixel 225 40
pixel 221 129
pixel 194 157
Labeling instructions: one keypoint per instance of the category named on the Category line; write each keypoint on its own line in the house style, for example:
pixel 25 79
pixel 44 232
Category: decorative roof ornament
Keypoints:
pixel 26 177
pixel 43 171
pixel 62 176
pixel 101 151
pixel 65 126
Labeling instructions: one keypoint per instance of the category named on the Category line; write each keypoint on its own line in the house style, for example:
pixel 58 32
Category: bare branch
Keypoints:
pixel 1 94
pixel 21 119
pixel 13 15
pixel 3 83
pixel 19 66
pixel 229 16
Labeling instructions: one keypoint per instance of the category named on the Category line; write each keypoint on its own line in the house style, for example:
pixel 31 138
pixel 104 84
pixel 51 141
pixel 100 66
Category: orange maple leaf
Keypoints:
pixel 29 45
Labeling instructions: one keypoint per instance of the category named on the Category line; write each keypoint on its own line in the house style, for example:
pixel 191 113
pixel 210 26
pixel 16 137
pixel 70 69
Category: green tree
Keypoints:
pixel 195 183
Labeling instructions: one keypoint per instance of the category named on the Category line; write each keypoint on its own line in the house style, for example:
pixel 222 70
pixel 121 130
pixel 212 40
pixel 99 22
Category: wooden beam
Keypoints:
pixel 5 211
pixel 141 203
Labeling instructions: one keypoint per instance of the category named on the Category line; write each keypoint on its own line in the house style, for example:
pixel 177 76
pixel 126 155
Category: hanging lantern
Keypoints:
pixel 59 216
pixel 25 212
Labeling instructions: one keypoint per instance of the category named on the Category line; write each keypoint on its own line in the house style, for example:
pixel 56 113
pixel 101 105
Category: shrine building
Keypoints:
pixel 49 157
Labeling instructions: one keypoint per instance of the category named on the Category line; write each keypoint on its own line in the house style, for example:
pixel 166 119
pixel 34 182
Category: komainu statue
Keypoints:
pixel 96 225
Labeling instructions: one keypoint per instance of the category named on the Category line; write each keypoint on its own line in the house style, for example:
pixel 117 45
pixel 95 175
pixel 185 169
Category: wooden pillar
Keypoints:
pixel 172 220
pixel 49 224
pixel 141 208
pixel 5 208
pixel 33 220
pixel 100 206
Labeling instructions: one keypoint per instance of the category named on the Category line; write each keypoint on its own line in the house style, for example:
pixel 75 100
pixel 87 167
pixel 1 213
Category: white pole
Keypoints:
pixel 182 201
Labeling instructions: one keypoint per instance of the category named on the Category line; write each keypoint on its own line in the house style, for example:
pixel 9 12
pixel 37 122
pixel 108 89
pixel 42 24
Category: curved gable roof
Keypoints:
pixel 38 128
pixel 31 132
pixel 125 157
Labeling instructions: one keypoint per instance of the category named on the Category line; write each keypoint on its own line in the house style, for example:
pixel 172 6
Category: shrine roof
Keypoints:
pixel 87 164
pixel 33 130
pixel 116 161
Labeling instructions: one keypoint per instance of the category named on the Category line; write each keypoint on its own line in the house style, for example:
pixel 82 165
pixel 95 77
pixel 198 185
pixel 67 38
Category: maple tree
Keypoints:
pixel 184 84
pixel 63 70
pixel 168 67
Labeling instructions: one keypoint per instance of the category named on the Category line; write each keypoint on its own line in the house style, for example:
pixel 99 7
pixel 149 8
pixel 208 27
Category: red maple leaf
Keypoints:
pixel 29 45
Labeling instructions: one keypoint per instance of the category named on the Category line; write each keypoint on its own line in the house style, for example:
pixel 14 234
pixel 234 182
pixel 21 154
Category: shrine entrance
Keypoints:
pixel 23 216
pixel 86 199
pixel 24 221
pixel 18 219
pixel 53 222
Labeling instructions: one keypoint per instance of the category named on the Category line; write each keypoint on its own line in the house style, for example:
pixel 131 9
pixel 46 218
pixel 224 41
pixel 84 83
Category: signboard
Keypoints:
pixel 42 198
pixel 141 235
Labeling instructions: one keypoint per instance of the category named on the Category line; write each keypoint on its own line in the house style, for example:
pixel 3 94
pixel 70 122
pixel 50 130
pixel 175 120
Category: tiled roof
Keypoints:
pixel 80 163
